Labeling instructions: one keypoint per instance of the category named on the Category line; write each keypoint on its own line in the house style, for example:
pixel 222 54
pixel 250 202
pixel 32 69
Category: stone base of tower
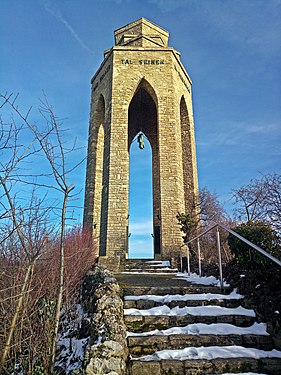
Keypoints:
pixel 116 263
pixel 110 263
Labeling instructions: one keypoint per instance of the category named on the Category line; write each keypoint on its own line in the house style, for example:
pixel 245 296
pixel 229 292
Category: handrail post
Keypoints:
pixel 188 259
pixel 181 260
pixel 199 256
pixel 219 254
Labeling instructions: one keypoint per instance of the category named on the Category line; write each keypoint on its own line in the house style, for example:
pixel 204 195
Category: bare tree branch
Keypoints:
pixel 260 200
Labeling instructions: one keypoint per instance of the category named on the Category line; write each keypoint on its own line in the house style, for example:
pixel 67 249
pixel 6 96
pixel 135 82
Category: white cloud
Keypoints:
pixel 140 248
pixel 141 228
pixel 235 133
pixel 140 240
pixel 60 18
pixel 171 5
pixel 235 21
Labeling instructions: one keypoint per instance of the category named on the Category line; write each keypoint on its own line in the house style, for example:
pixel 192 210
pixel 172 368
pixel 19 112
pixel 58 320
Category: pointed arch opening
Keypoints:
pixel 144 186
pixel 186 152
pixel 99 120
pixel 140 241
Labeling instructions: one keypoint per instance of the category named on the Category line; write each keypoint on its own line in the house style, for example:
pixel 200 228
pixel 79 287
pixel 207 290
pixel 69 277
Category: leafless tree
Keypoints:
pixel 201 215
pixel 210 209
pixel 47 142
pixel 260 200
pixel 16 217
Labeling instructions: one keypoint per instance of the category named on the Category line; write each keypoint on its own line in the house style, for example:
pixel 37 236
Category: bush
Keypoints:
pixel 29 352
pixel 256 276
pixel 261 235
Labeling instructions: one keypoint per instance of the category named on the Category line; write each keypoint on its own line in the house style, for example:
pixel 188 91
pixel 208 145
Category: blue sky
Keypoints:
pixel 230 48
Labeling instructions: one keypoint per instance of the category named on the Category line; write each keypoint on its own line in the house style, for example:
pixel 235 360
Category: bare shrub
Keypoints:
pixel 30 346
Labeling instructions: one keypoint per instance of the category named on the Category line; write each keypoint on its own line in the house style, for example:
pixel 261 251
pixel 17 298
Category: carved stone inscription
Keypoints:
pixel 142 62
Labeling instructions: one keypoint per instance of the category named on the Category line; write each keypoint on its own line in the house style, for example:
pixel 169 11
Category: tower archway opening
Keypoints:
pixel 186 140
pixel 140 200
pixel 144 191
pixel 99 144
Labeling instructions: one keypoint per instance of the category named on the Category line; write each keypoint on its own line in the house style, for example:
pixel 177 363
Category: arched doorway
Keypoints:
pixel 186 141
pixel 140 200
pixel 99 170
pixel 142 119
pixel 94 183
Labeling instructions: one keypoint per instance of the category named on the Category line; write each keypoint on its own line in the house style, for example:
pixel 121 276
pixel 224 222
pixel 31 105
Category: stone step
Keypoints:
pixel 153 301
pixel 151 270
pixel 138 323
pixel 142 345
pixel 148 304
pixel 270 366
pixel 162 291
pixel 144 264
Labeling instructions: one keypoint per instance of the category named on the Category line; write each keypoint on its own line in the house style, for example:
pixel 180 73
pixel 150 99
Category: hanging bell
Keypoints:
pixel 141 141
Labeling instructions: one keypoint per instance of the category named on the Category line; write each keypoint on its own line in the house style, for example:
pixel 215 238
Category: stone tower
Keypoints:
pixel 141 85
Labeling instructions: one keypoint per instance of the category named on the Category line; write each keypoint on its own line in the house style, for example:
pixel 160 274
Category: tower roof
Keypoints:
pixel 141 33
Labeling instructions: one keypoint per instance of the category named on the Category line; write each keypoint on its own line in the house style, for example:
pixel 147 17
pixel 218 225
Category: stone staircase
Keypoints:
pixel 179 327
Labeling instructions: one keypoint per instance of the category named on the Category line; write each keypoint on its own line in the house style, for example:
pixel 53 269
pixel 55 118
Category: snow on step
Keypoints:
pixel 149 272
pixel 194 310
pixel 186 297
pixel 194 278
pixel 163 263
pixel 207 329
pixel 210 352
pixel 165 269
pixel 153 266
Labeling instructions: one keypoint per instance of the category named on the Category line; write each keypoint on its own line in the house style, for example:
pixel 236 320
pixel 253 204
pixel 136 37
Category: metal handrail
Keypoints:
pixel 217 226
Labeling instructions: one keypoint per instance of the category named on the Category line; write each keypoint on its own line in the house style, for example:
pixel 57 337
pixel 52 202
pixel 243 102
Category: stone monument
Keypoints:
pixel 141 86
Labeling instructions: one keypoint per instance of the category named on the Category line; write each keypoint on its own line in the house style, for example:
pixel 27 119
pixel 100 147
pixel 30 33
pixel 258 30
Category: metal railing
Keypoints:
pixel 217 226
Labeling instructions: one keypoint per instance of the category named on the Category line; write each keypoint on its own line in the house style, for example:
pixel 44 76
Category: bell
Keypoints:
pixel 141 141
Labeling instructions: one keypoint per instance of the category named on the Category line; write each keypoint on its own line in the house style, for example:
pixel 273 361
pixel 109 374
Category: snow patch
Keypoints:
pixel 155 269
pixel 138 271
pixel 186 297
pixel 211 352
pixel 194 310
pixel 202 280
pixel 163 263
pixel 70 347
pixel 207 329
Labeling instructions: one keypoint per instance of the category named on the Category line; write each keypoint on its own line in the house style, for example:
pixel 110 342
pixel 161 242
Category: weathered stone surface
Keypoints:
pixel 275 330
pixel 172 367
pixel 102 366
pixel 235 364
pixel 196 367
pixel 261 342
pixel 108 352
pixel 144 368
pixel 271 365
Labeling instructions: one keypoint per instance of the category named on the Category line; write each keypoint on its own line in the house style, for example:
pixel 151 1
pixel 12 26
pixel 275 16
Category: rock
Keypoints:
pixel 108 352
pixel 98 366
